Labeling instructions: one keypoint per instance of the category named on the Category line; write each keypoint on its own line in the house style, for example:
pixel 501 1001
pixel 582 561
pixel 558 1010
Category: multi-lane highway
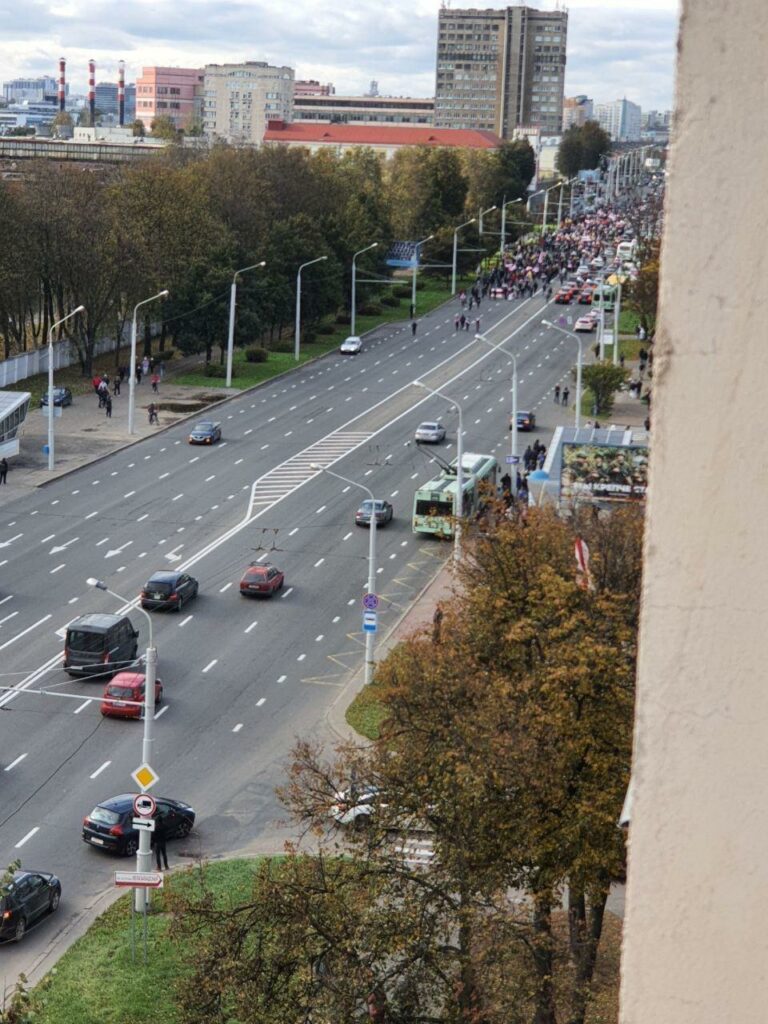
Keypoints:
pixel 242 678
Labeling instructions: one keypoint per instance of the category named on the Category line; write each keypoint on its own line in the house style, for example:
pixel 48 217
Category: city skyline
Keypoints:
pixel 615 49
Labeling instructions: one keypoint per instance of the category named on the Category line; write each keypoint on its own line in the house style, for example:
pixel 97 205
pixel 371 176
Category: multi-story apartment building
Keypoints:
pixel 31 90
pixel 364 109
pixel 499 68
pixel 577 110
pixel 174 92
pixel 239 100
pixel 310 87
pixel 621 119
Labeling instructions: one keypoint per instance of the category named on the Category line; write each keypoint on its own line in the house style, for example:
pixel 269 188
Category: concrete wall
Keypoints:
pixel 696 939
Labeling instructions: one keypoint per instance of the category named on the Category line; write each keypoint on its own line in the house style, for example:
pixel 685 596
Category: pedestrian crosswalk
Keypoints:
pixel 289 475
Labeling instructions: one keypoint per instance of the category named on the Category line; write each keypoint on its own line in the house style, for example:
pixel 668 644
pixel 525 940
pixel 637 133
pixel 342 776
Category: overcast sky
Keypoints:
pixel 616 48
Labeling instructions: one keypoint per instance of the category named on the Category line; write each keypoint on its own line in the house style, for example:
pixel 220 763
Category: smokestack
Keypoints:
pixel 62 83
pixel 121 93
pixel 92 91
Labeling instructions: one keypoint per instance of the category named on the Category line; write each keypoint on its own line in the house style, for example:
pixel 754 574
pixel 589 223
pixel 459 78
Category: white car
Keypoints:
pixel 585 323
pixel 430 433
pixel 351 346
pixel 355 809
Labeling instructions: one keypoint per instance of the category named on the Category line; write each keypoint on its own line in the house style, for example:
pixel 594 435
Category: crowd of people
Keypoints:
pixel 106 389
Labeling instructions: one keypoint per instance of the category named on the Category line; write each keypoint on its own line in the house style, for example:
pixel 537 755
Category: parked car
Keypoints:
pixel 585 296
pixel 261 580
pixel 28 896
pixel 61 396
pixel 124 696
pixel 430 433
pixel 168 589
pixel 99 644
pixel 355 807
pixel 205 432
pixel 526 421
pixel 351 346
pixel 110 824
pixel 384 513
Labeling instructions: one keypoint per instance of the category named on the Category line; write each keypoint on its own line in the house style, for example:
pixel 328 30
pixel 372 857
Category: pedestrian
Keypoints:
pixel 462 321
pixel 3 470
pixel 466 324
pixel 145 366
pixel 477 324
pixel 470 302
pixel 621 361
pixel 116 385
pixel 138 373
pixel 646 424
pixel 103 391
pixel 108 406
pixel 121 372
pixel 463 298
pixel 566 393
pixel 158 842
pixel 557 394
pixel 155 382
pixel 413 328
pixel 152 410
pixel 456 320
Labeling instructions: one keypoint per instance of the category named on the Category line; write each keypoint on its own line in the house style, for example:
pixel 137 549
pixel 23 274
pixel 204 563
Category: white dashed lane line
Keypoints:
pixel 27 837
pixel 238 727
pixel 260 701
pixel 13 764
pixel 287 592
pixel 210 665
pixel 99 770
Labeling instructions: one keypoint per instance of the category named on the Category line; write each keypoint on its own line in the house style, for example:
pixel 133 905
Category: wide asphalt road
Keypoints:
pixel 242 678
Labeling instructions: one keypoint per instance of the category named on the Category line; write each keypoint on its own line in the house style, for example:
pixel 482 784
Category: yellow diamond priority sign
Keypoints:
pixel 145 777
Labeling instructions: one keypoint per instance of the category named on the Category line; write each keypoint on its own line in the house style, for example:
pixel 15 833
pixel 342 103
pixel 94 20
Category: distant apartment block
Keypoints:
pixel 577 110
pixel 31 90
pixel 106 100
pixel 620 119
pixel 382 139
pixel 499 68
pixel 309 87
pixel 364 109
pixel 239 100
pixel 171 92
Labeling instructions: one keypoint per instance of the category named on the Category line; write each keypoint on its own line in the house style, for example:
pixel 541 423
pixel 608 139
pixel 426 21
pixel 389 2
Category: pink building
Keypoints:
pixel 175 92
pixel 309 87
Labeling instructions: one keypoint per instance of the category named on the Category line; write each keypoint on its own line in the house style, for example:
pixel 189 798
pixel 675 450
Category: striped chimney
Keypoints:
pixel 62 83
pixel 121 92
pixel 92 90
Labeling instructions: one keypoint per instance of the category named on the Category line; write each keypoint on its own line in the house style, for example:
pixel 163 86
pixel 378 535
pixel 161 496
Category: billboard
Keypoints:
pixel 606 472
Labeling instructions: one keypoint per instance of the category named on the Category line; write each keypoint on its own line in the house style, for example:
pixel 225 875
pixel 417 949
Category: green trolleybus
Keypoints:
pixel 434 503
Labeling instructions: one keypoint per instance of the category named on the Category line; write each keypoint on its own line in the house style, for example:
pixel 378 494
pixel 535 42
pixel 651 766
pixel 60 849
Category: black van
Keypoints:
pixel 100 644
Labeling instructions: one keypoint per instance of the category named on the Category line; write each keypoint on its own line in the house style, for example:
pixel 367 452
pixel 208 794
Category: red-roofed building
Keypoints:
pixel 385 139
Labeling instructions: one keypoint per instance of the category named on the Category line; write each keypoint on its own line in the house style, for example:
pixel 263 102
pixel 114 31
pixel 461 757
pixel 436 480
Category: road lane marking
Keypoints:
pixel 281 679
pixel 301 657
pixel 253 625
pixel 319 562
pixel 27 837
pixel 58 568
pixel 99 770
pixel 161 712
pixel 225 587
pixel 24 632
pixel 185 620
pixel 210 665
pixel 238 727
pixel 287 592
pixel 82 706
pixel 8 618
pixel 260 701
pixel 13 764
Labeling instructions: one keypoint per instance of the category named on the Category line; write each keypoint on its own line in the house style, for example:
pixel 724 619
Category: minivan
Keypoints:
pixel 100 644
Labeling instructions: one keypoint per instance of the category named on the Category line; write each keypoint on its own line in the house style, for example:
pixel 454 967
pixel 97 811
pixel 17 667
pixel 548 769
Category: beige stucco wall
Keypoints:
pixel 696 939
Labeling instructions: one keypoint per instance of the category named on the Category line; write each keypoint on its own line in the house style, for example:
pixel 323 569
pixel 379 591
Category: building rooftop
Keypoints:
pixel 379 135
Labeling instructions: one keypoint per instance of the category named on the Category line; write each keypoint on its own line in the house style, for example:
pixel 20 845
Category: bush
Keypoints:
pixel 285 345
pixel 343 318
pixel 390 300
pixel 216 370
pixel 372 309
pixel 402 291
pixel 326 329
pixel 166 355
pixel 256 354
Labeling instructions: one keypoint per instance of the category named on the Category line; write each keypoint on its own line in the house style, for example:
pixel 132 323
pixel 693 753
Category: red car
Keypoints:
pixel 564 296
pixel 261 580
pixel 124 696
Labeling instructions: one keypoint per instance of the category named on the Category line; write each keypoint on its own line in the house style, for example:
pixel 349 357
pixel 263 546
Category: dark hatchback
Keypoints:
pixel 110 824
pixel 61 396
pixel 29 896
pixel 206 432
pixel 526 421
pixel 168 589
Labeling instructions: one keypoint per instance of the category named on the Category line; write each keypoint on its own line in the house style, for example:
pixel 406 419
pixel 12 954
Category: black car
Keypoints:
pixel 384 513
pixel 29 896
pixel 61 396
pixel 206 432
pixel 168 589
pixel 526 421
pixel 110 824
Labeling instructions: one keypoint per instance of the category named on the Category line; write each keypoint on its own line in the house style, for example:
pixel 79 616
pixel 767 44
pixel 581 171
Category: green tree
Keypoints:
pixel 164 127
pixel 643 292
pixel 604 379
pixel 581 148
pixel 137 128
pixel 426 190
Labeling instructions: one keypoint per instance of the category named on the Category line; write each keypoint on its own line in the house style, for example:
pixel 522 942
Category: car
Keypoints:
pixel 261 580
pixel 61 396
pixel 99 644
pixel 168 589
pixel 110 824
pixel 582 270
pixel 430 433
pixel 205 432
pixel 526 421
pixel 355 807
pixel 585 323
pixel 563 296
pixel 124 696
pixel 384 513
pixel 25 898
pixel 585 296
pixel 351 346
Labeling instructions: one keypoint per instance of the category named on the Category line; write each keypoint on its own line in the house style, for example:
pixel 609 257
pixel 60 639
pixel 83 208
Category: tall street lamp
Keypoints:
pixel 513 357
pixel 369 636
pixel 353 304
pixel 563 184
pixel 51 406
pixel 132 368
pixel 533 196
pixel 458 506
pixel 546 206
pixel 504 206
pixel 144 853
pixel 415 268
pixel 456 251
pixel 578 340
pixel 480 216
pixel 232 303
pixel 297 331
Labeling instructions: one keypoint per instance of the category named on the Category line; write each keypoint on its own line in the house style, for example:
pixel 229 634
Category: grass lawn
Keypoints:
pixel 95 981
pixel 365 714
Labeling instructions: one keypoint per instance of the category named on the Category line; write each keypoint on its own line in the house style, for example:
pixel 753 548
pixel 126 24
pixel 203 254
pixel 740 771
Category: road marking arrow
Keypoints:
pixel 5 543
pixel 172 556
pixel 116 551
pixel 62 547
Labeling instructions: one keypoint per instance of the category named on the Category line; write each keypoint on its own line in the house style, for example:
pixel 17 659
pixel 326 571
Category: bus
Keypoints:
pixel 434 503
pixel 604 297
pixel 626 252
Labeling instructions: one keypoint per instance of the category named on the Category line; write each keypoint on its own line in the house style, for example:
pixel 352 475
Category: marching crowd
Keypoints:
pixel 106 390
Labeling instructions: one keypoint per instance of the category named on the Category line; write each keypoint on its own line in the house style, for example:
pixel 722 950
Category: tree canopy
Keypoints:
pixel 581 148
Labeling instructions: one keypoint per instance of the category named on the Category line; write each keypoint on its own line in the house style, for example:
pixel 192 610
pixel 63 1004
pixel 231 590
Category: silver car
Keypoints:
pixel 430 433
pixel 351 346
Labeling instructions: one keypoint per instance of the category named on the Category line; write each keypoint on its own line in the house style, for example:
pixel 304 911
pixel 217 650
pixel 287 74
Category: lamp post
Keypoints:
pixel 353 304
pixel 458 507
pixel 51 406
pixel 480 216
pixel 456 251
pixel 533 196
pixel 144 853
pixel 232 303
pixel 369 637
pixel 504 206
pixel 546 206
pixel 415 267
pixel 560 201
pixel 132 367
pixel 578 340
pixel 297 331
pixel 513 357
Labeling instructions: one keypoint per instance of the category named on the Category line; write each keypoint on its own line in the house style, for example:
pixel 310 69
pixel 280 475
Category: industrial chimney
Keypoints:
pixel 62 83
pixel 121 93
pixel 92 91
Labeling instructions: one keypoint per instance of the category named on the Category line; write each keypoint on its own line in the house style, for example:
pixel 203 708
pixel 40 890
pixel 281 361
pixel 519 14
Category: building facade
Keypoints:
pixel 309 87
pixel 499 68
pixel 31 90
pixel 106 100
pixel 239 100
pixel 171 92
pixel 364 109
pixel 382 139
pixel 577 110
pixel 621 119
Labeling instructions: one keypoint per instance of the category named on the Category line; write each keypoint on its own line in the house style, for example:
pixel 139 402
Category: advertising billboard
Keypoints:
pixel 603 472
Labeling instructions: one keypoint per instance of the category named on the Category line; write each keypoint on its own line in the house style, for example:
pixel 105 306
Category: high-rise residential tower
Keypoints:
pixel 241 98
pixel 498 68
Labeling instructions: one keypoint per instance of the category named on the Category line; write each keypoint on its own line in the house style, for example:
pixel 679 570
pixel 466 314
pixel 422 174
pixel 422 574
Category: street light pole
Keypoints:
pixel 415 267
pixel 132 367
pixel 144 853
pixel 232 303
pixel 578 340
pixel 456 251
pixel 481 214
pixel 297 331
pixel 513 357
pixel 504 206
pixel 353 304
pixel 458 506
pixel 51 406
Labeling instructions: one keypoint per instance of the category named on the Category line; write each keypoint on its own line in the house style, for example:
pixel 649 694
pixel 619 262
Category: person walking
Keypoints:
pixel 152 410
pixel 108 405
pixel 138 373
pixel 158 842
pixel 145 365
pixel 155 382
pixel 414 326
pixel 3 471
pixel 456 322
pixel 557 394
pixel 566 393
pixel 116 385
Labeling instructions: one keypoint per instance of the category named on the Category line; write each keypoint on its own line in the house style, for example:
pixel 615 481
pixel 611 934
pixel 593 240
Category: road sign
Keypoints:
pixel 144 824
pixel 144 805
pixel 145 777
pixel 139 879
pixel 370 622
pixel 513 460
pixel 371 602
